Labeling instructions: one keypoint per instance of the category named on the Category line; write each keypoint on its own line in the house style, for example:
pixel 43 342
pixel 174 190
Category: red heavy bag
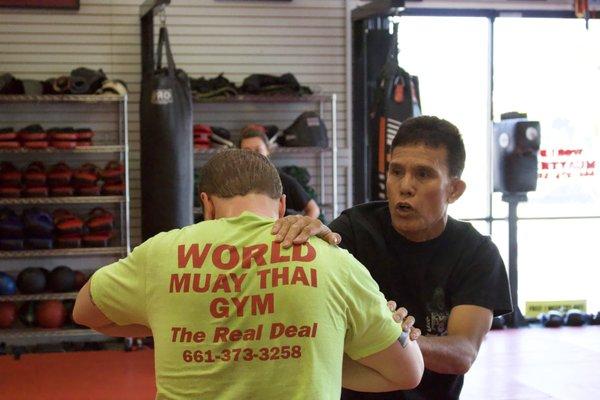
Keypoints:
pixel 166 146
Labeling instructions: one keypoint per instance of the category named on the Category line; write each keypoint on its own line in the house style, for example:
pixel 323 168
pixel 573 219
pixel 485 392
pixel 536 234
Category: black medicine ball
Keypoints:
pixel 61 279
pixel 31 280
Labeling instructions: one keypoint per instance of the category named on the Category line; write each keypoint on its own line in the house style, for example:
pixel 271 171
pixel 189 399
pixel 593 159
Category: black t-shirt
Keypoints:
pixel 460 266
pixel 296 197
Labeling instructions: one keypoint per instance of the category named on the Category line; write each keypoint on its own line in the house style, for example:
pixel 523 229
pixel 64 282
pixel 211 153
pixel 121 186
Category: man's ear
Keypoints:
pixel 208 207
pixel 281 210
pixel 457 188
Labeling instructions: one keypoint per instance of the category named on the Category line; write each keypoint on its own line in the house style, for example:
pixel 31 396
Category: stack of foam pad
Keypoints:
pixel 35 137
pixel 39 229
pixel 60 180
pixel 206 137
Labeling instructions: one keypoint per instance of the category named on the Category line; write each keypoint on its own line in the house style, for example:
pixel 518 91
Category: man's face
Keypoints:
pixel 255 144
pixel 419 190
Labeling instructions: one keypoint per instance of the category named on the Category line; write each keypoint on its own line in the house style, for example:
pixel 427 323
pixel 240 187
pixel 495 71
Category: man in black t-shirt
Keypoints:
pixel 297 201
pixel 450 277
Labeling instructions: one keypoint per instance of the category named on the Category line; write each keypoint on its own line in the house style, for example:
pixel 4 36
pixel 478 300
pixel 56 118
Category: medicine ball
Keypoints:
pixel 50 314
pixel 8 313
pixel 61 279
pixel 575 317
pixel 7 284
pixel 31 280
pixel 27 313
pixel 69 305
pixel 552 319
pixel 80 280
pixel 498 323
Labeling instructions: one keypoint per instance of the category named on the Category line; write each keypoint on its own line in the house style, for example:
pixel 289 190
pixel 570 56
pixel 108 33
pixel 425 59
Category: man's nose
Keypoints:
pixel 407 185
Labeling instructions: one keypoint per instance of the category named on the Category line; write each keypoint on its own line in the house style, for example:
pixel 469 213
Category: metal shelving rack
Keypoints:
pixel 321 100
pixel 20 335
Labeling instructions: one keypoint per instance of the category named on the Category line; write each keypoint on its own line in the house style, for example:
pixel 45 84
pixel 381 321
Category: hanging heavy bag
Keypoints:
pixel 166 146
pixel 395 99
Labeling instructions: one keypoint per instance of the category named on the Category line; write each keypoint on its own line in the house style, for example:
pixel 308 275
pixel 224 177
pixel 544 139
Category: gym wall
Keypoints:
pixel 304 37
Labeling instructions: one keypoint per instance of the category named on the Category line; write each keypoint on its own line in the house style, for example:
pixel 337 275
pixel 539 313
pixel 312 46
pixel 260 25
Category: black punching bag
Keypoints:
pixel 516 146
pixel 395 99
pixel 166 145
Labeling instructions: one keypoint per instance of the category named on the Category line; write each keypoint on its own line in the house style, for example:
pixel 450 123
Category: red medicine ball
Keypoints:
pixel 8 313
pixel 50 314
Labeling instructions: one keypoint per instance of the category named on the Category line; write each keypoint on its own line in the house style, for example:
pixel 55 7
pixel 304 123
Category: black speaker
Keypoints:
pixel 515 151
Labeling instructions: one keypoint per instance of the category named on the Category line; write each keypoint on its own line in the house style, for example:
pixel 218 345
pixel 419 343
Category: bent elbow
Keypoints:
pixel 413 380
pixel 411 377
pixel 463 364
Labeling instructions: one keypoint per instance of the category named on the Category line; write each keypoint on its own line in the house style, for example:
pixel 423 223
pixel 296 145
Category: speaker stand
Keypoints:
pixel 515 319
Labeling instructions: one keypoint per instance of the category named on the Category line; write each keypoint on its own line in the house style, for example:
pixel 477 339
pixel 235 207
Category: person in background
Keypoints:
pixel 450 277
pixel 236 316
pixel 254 138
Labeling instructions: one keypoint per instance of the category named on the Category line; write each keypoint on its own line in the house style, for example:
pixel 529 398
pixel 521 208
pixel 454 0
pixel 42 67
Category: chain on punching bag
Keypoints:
pixel 396 98
pixel 166 145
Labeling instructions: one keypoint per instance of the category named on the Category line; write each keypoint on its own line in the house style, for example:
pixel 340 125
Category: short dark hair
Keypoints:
pixel 434 132
pixel 252 131
pixel 235 172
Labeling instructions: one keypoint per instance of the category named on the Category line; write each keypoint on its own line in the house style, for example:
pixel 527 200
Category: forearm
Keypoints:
pixel 447 354
pixel 312 209
pixel 133 330
pixel 356 376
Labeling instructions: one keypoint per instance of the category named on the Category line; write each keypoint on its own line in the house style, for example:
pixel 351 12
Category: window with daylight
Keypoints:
pixel 548 68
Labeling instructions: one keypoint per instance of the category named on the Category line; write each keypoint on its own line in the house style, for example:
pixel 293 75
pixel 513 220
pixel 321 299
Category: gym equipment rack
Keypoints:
pixel 109 114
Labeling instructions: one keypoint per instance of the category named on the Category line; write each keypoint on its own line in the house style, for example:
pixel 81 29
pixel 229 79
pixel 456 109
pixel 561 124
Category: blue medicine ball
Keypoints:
pixel 7 284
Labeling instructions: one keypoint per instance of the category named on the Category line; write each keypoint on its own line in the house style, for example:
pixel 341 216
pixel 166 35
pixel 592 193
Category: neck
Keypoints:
pixel 255 203
pixel 423 235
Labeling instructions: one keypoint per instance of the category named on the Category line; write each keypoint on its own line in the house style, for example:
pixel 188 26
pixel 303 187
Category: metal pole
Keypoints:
pixel 334 152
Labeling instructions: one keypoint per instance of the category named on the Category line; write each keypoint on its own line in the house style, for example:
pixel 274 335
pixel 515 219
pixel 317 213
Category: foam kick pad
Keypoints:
pixel 37 223
pixel 11 225
pixel 66 222
pixel 10 191
pixel 35 191
pixel 100 220
pixel 60 175
pixel 97 239
pixel 35 174
pixel 9 174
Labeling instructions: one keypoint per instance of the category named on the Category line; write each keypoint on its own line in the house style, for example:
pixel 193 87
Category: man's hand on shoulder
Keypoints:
pixel 297 229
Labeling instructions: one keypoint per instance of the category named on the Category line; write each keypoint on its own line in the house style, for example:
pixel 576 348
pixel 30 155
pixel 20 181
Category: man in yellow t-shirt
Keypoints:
pixel 236 316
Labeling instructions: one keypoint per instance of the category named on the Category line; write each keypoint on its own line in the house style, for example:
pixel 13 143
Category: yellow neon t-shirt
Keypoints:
pixel 235 316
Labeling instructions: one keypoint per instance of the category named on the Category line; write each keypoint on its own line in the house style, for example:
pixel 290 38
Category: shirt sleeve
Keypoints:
pixel 371 327
pixel 119 289
pixel 343 226
pixel 296 196
pixel 484 282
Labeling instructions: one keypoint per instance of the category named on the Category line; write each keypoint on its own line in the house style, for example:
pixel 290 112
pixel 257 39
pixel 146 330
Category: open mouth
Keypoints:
pixel 404 208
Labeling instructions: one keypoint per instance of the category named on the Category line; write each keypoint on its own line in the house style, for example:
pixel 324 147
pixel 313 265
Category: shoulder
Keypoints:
pixel 286 178
pixel 465 232
pixel 375 212
pixel 464 235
